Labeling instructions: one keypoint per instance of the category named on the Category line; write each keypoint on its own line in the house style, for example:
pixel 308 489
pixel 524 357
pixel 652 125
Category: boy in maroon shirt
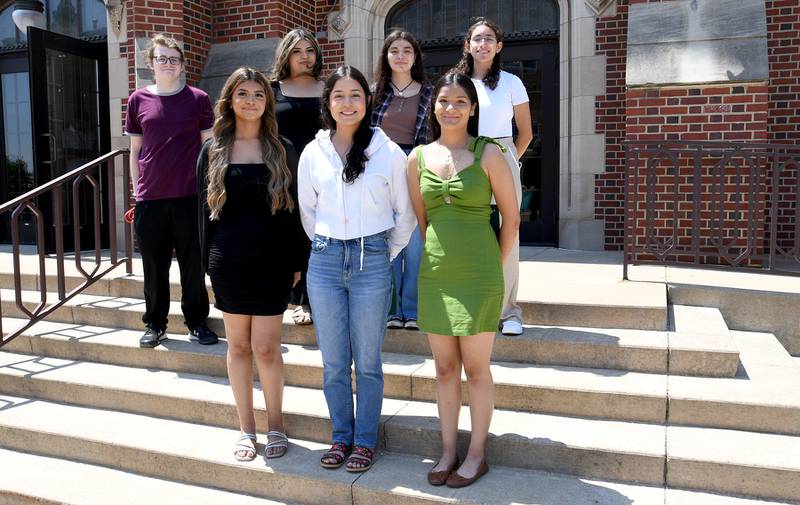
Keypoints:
pixel 167 123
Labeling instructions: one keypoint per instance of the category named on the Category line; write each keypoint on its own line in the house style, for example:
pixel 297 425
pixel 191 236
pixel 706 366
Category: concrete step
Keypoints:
pixel 695 401
pixel 697 320
pixel 170 450
pixel 622 349
pixel 593 448
pixel 635 306
pixel 42 480
pixel 749 301
pixel 586 392
pixel 735 462
pixel 696 328
pixel 769 407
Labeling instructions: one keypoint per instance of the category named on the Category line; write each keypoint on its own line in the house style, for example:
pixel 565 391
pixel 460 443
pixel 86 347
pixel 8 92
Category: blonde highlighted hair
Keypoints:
pixel 224 134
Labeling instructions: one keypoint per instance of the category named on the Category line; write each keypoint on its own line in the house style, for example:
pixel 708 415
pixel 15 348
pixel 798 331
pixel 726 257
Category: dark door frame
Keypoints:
pixel 39 41
pixel 12 62
pixel 544 49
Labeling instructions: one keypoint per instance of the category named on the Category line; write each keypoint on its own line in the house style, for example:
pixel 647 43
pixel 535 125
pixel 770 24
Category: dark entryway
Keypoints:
pixel 55 119
pixel 531 52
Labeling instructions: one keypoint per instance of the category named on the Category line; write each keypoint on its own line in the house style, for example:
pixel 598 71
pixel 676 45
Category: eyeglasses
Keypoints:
pixel 162 60
pixel 483 38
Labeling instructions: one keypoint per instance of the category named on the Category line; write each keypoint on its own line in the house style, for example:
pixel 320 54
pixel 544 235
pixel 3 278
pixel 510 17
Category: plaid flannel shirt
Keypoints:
pixel 421 126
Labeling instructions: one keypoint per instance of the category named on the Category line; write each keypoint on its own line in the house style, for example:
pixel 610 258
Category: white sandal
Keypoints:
pixel 282 442
pixel 240 447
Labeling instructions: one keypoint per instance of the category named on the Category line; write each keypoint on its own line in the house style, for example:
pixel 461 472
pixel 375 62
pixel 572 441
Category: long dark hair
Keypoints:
pixel 356 157
pixel 224 133
pixel 467 65
pixel 383 72
pixel 280 63
pixel 465 83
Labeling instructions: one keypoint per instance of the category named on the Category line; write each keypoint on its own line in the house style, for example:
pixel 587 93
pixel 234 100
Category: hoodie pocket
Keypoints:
pixel 376 192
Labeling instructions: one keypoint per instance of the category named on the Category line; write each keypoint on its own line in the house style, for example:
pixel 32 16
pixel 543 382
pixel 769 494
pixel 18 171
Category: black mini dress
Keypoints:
pixel 250 254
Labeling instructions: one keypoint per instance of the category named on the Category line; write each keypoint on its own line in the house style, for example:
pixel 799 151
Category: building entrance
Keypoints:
pixel 530 51
pixel 55 114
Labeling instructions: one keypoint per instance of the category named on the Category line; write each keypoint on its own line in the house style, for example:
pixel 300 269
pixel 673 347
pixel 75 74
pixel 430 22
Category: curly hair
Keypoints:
pixel 224 134
pixel 356 157
pixel 280 64
pixel 466 64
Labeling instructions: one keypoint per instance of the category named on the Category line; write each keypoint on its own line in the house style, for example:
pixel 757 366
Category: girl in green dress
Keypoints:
pixel 451 182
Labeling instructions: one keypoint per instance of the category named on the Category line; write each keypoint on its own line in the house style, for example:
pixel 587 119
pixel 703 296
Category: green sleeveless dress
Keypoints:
pixel 461 273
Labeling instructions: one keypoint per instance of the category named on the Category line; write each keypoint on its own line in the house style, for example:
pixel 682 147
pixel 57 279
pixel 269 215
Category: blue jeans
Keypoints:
pixel 349 304
pixel 405 271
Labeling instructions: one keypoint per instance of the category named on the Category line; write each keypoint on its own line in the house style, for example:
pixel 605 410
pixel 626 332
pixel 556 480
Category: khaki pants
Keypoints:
pixel 511 310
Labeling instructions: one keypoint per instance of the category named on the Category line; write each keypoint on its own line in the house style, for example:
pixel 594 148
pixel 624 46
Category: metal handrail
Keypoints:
pixel 55 189
pixel 711 204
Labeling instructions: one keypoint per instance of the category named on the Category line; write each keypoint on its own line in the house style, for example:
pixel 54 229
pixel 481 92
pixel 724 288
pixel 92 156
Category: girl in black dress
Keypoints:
pixel 296 83
pixel 252 244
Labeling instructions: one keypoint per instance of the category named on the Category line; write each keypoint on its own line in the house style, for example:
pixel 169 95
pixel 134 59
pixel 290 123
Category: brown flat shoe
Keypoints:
pixel 439 478
pixel 456 480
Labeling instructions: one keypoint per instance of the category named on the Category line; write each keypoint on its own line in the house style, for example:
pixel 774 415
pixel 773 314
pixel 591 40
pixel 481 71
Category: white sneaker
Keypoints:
pixel 394 323
pixel 512 328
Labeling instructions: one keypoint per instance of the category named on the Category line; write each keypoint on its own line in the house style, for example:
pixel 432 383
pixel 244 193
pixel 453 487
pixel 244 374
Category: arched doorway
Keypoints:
pixel 531 52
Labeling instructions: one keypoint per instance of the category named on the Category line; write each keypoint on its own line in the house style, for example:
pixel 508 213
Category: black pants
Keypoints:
pixel 161 226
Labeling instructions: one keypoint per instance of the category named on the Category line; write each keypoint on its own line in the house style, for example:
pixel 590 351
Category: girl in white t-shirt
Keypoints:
pixel 502 97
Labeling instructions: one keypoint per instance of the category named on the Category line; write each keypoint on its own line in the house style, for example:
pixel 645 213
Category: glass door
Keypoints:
pixel 536 64
pixel 17 175
pixel 70 123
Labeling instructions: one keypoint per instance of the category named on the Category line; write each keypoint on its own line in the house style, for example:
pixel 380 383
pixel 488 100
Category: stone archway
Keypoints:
pixel 360 24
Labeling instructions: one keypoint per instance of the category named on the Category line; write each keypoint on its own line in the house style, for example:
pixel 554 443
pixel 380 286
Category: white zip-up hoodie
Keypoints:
pixel 376 201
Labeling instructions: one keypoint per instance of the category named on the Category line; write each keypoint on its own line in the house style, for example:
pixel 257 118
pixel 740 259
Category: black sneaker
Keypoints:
pixel 204 335
pixel 152 337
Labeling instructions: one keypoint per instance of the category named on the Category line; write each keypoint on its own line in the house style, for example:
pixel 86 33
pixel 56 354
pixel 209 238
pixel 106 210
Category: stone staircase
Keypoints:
pixel 637 404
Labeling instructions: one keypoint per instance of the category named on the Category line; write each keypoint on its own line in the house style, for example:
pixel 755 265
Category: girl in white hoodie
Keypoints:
pixel 355 207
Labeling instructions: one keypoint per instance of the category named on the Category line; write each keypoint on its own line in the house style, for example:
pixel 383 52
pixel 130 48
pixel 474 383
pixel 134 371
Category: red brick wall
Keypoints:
pixel 332 51
pixel 737 113
pixel 198 23
pixel 187 21
pixel 245 20
pixel 611 34
pixel 270 18
pixel 715 112
pixel 783 40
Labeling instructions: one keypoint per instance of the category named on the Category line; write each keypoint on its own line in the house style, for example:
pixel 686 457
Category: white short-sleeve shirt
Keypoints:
pixel 497 105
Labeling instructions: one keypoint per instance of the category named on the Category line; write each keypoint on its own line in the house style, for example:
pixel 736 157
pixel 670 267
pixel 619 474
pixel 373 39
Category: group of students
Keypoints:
pixel 354 202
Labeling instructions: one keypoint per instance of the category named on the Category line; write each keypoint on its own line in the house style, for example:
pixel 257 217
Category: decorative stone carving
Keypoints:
pixel 115 15
pixel 339 22
pixel 598 6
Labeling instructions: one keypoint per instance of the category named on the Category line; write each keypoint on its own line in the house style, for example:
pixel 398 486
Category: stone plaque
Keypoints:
pixel 223 59
pixel 696 42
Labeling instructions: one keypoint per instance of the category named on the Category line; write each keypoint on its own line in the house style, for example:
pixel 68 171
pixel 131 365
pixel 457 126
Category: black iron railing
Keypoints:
pixel 726 205
pixel 53 191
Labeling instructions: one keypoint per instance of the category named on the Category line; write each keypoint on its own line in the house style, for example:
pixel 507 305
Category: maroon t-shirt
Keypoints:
pixel 170 127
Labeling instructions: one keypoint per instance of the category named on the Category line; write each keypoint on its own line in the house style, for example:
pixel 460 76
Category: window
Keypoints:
pixel 76 18
pixel 446 19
